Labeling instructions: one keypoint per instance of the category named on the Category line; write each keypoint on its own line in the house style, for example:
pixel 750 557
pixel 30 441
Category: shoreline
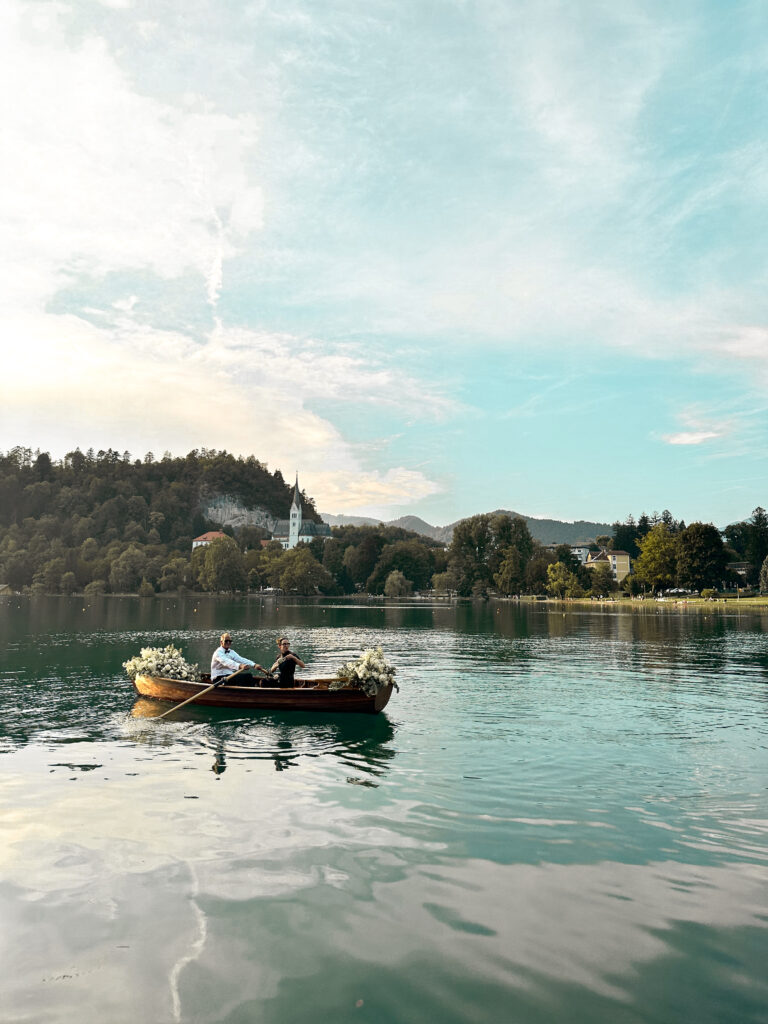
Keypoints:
pixel 723 605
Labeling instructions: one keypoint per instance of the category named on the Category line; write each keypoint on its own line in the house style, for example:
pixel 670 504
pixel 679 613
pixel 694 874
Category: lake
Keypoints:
pixel 561 816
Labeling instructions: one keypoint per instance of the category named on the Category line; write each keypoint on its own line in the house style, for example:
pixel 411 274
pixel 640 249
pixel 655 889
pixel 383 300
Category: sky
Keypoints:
pixel 438 256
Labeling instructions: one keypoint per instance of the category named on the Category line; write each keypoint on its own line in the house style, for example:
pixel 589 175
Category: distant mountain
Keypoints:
pixel 348 520
pixel 555 531
pixel 417 525
pixel 546 531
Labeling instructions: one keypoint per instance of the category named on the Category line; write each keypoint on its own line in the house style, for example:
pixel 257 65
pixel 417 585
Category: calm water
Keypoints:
pixel 560 817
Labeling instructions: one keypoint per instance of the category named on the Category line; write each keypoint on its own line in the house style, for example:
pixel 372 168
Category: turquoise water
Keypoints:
pixel 562 816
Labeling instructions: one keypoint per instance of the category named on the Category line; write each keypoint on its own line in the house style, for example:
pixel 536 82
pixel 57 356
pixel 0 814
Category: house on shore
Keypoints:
pixel 618 561
pixel 207 538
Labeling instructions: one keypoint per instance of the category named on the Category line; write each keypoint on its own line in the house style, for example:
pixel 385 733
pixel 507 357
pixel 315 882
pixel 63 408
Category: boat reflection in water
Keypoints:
pixel 360 742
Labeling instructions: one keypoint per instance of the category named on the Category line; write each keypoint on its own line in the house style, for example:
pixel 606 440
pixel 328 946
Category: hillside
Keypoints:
pixel 108 496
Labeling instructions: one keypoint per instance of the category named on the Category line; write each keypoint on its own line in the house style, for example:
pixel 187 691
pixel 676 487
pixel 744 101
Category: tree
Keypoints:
pixel 89 549
pixel 360 559
pixel 50 575
pixel 223 566
pixel 68 583
pixel 175 574
pixel 701 557
pixel 333 561
pixel 564 554
pixel 632 585
pixel 268 565
pixel 514 548
pixel 510 579
pixel 561 582
pixel 536 571
pixel 397 585
pixel 442 582
pixel 479 547
pixel 738 537
pixel 43 467
pixel 468 554
pixel 625 537
pixel 764 577
pixel 602 580
pixel 757 542
pixel 302 574
pixel 412 558
pixel 127 570
pixel 657 563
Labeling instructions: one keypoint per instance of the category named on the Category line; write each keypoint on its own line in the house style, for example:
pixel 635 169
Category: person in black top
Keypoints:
pixel 286 664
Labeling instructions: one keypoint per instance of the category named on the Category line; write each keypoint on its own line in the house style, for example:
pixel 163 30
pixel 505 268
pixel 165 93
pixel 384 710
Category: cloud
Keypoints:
pixel 97 177
pixel 691 437
pixel 244 391
pixel 100 179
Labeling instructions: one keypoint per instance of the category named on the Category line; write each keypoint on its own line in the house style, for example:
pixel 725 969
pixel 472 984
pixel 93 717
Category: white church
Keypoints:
pixel 293 531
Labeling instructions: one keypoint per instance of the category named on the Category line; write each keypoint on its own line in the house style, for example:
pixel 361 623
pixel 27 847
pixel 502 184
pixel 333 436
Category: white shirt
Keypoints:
pixel 224 662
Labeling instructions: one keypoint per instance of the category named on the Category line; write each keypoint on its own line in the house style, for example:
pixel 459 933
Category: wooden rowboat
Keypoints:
pixel 308 695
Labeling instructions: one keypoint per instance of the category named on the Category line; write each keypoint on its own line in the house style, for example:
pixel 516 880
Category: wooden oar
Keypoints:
pixel 200 694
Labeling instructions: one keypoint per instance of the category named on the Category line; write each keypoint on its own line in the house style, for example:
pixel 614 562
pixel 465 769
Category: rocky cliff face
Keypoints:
pixel 228 511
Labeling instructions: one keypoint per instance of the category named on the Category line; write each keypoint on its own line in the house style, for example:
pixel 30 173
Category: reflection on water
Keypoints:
pixel 562 815
pixel 219 761
pixel 283 737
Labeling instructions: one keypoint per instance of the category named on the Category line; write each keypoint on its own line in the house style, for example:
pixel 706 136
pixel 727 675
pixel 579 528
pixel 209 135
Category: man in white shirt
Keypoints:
pixel 225 661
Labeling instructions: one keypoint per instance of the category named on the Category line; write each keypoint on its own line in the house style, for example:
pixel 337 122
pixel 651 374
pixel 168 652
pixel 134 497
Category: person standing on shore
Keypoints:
pixel 225 661
pixel 286 664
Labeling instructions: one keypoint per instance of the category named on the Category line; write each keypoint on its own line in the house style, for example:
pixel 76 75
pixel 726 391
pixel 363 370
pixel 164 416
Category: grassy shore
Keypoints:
pixel 730 603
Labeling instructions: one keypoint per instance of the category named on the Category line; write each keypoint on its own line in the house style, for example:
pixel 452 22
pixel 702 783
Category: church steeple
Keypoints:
pixel 295 516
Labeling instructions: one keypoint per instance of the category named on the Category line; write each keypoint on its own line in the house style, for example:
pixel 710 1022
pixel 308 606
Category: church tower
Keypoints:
pixel 294 521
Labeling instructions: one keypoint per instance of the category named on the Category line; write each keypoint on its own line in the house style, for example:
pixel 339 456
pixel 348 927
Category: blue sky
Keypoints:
pixel 439 257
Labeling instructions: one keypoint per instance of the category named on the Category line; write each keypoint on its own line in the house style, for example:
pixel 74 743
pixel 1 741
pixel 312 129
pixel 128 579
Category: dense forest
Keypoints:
pixel 102 519
pixel 103 522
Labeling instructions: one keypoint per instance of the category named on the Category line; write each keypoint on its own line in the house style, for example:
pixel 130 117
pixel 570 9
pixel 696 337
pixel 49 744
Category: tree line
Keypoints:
pixel 105 522
pixel 666 553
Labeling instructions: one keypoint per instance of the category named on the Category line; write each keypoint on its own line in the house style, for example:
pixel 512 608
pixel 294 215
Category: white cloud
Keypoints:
pixel 243 391
pixel 691 437
pixel 96 177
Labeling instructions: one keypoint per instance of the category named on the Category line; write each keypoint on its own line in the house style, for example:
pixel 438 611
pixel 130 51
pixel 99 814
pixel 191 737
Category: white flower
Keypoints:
pixel 371 672
pixel 167 661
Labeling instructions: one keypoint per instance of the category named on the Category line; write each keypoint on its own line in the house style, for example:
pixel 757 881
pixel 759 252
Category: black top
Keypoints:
pixel 286 670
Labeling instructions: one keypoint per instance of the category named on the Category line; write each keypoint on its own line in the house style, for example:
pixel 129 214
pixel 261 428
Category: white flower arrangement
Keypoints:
pixel 162 661
pixel 371 673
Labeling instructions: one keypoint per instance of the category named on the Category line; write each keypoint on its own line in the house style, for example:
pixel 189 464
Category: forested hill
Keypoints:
pixel 106 495
pixel 106 523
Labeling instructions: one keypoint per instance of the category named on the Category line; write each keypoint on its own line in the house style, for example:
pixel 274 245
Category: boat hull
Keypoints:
pixel 314 695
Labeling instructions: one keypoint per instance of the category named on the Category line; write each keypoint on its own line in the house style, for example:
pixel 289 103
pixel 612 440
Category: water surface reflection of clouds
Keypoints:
pixel 557 818
pixel 162 890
